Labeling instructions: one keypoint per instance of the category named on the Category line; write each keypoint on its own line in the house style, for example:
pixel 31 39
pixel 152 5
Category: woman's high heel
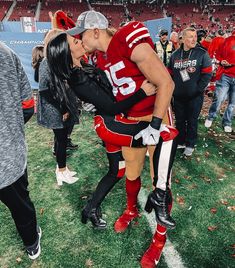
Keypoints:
pixel 148 207
pixel 72 173
pixel 94 215
pixel 159 200
pixel 65 176
pixel 84 217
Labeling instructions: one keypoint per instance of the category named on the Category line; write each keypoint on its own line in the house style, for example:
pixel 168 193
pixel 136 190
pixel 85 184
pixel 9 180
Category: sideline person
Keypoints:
pixel 191 70
pixel 164 47
pixel 225 86
pixel 49 115
pixel 14 193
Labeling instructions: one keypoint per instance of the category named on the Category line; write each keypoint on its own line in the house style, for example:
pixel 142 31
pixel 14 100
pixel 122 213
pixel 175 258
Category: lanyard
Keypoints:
pixel 181 57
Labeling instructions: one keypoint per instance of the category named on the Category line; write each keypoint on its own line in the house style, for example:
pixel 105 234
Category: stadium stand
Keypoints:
pixel 143 12
pixel 72 8
pixel 203 14
pixel 114 13
pixel 210 17
pixel 23 9
pixel 5 5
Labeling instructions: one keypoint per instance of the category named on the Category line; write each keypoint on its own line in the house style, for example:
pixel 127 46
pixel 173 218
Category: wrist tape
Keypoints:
pixel 156 122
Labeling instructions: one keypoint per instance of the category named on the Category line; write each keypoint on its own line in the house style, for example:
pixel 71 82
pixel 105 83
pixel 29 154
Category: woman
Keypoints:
pixel 50 115
pixel 37 57
pixel 28 105
pixel 91 85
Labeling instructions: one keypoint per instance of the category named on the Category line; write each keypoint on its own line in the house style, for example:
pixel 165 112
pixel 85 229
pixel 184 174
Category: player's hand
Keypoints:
pixel 225 63
pixel 149 135
pixel 148 88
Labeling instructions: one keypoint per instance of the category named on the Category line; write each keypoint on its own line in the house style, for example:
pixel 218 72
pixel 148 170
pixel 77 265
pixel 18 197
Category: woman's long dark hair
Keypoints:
pixel 60 64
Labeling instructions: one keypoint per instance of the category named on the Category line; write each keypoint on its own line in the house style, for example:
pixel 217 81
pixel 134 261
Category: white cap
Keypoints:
pixel 89 20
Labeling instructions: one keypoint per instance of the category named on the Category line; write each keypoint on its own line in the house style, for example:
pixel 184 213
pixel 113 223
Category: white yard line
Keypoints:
pixel 171 256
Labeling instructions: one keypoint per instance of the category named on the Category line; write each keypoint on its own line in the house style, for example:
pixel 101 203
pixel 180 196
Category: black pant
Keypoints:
pixel 16 198
pixel 61 137
pixel 186 115
pixel 28 113
pixel 106 184
pixel 70 129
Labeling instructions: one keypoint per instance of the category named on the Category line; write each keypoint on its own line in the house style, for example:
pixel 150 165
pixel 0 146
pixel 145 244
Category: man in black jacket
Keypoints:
pixel 190 67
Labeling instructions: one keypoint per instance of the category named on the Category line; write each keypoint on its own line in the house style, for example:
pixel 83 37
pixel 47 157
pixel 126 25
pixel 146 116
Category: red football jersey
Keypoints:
pixel 123 73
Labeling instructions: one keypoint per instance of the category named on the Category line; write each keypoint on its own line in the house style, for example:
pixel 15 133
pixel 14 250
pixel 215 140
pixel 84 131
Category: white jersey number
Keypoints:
pixel 128 82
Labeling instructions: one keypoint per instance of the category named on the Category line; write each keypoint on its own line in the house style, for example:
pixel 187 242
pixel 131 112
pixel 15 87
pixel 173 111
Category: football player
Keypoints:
pixel 128 59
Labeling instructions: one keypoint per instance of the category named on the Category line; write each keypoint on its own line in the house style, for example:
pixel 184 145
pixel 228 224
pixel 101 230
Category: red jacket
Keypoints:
pixel 227 52
pixel 205 44
pixel 215 45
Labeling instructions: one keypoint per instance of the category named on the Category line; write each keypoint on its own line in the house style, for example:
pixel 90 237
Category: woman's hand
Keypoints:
pixel 225 63
pixel 148 88
pixel 65 117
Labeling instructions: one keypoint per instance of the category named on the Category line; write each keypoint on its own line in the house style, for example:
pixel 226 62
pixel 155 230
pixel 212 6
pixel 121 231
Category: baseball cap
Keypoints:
pixel 201 33
pixel 163 32
pixel 89 20
pixel 221 32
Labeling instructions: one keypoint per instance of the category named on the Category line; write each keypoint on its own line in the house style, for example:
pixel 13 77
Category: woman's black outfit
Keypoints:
pixel 91 85
pixel 50 115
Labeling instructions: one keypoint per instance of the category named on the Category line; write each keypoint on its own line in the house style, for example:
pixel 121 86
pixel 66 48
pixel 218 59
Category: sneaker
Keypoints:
pixel 228 129
pixel 188 151
pixel 35 250
pixel 71 145
pixel 208 123
pixel 181 146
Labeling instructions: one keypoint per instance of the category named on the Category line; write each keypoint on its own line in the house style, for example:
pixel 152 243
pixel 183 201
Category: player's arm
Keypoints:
pixel 154 70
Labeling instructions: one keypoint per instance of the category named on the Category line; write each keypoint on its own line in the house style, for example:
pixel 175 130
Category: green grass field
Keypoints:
pixel 204 208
